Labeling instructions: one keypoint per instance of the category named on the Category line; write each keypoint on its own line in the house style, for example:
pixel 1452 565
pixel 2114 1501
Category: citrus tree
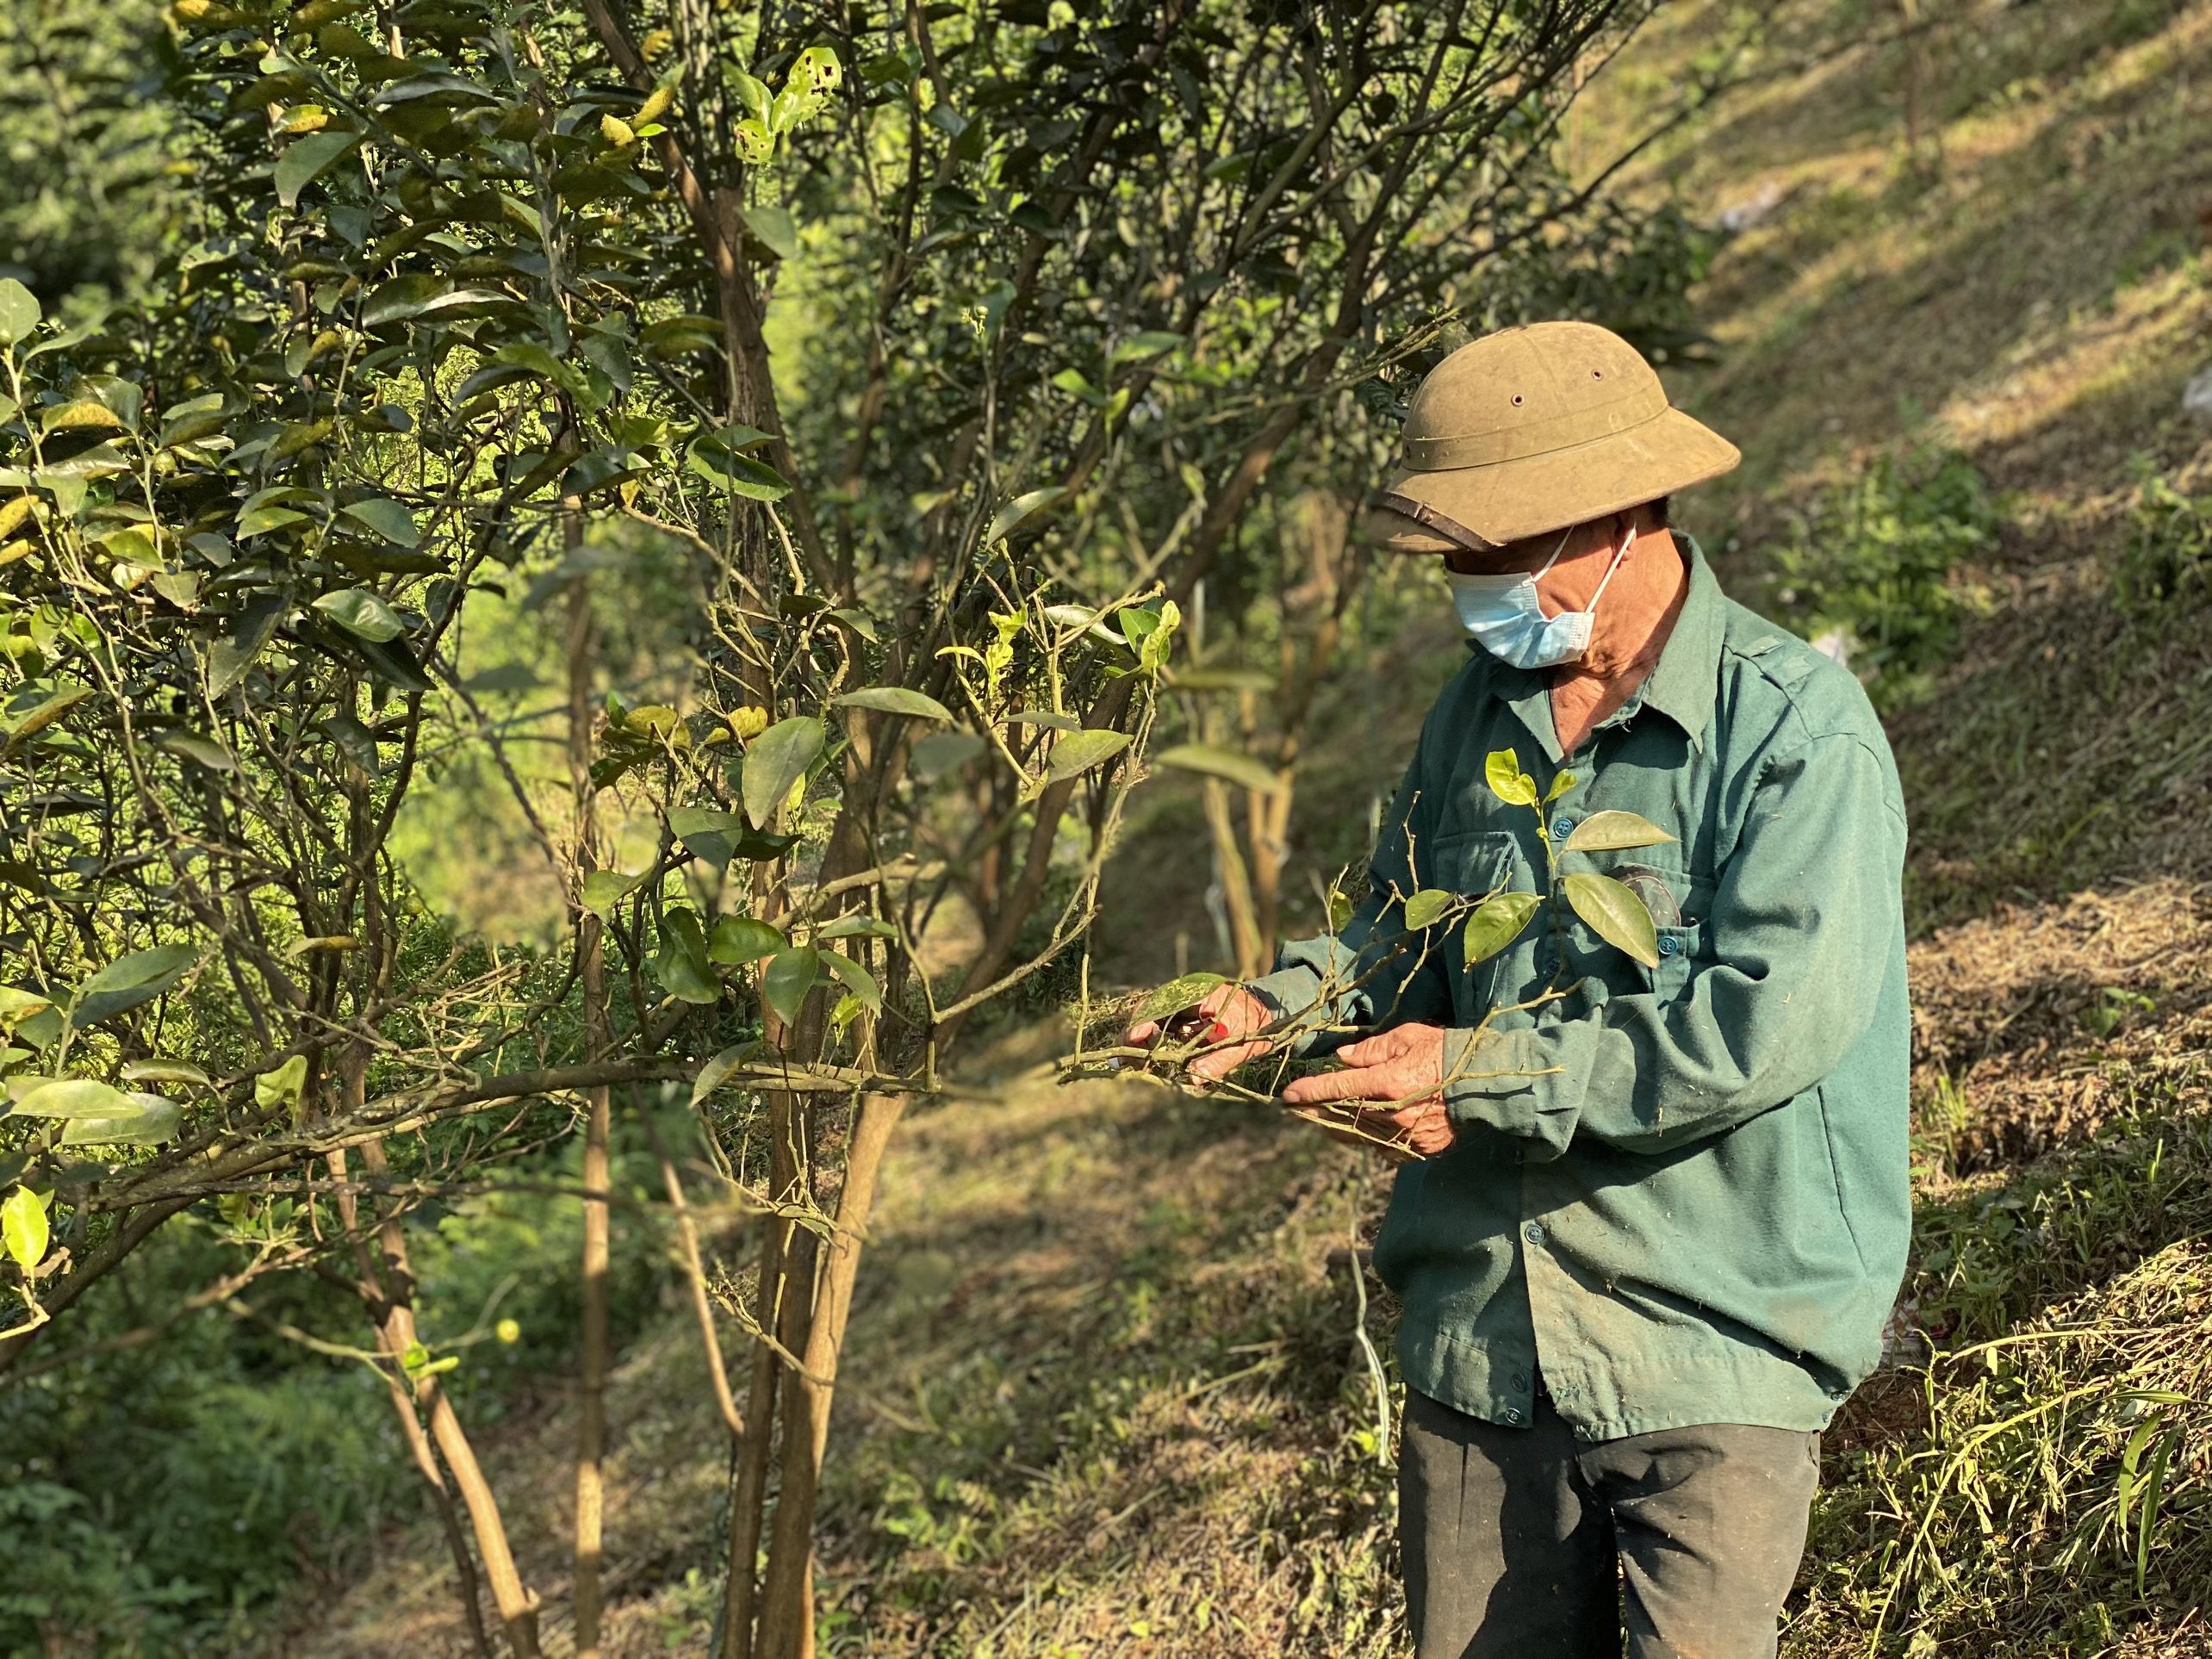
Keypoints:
pixel 940 355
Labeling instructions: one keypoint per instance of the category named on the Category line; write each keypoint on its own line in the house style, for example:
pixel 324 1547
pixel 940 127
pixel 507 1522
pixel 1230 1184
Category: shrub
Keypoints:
pixel 2169 551
pixel 1870 567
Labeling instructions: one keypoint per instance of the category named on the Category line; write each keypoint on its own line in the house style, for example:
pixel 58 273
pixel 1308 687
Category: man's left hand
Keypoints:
pixel 1405 1063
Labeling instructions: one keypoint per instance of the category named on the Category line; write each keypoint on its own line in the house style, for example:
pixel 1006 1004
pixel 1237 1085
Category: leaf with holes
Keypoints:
pixel 1615 914
pixel 1615 832
pixel 1177 995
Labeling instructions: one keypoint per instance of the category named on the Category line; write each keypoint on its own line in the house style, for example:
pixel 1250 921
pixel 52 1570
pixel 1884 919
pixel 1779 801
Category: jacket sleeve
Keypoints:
pixel 1803 920
pixel 1369 974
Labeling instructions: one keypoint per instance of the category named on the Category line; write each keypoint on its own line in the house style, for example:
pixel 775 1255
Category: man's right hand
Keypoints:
pixel 1228 1011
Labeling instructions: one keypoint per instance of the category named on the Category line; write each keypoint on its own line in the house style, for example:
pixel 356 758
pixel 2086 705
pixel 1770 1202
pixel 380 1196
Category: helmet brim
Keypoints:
pixel 1510 501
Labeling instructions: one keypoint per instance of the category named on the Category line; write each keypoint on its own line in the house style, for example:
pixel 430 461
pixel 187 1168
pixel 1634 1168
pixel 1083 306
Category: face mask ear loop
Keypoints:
pixel 1626 542
pixel 1556 552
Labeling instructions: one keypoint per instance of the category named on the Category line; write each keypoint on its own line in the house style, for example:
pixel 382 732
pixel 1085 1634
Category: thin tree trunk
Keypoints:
pixel 354 1075
pixel 594 1360
pixel 517 1606
pixel 786 1290
pixel 787 1616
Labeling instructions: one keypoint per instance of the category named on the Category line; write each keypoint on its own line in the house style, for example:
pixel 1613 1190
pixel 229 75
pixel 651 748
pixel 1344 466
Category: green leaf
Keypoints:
pixel 711 1074
pixel 1079 751
pixel 1615 914
pixel 776 760
pixel 229 657
pixel 856 923
pixel 786 979
pixel 305 158
pixel 1224 763
pixel 773 228
pixel 896 700
pixel 68 1098
pixel 855 977
pixel 707 833
pixel 23 1216
pixel 740 475
pixel 1177 995
pixel 166 1071
pixel 386 518
pixel 1023 508
pixel 1502 771
pixel 681 964
pixel 282 1086
pixel 361 614
pixel 742 941
pixel 1497 922
pixel 1223 680
pixel 1560 785
pixel 1425 907
pixel 130 980
pixel 605 889
pixel 144 1121
pixel 19 312
pixel 1614 831
pixel 1137 347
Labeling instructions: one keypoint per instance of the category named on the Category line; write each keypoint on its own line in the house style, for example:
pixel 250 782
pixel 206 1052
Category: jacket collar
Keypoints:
pixel 1683 686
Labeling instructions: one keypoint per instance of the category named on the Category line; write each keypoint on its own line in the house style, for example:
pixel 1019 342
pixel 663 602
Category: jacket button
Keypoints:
pixel 1561 828
pixel 1511 1416
pixel 1520 1381
pixel 1668 945
pixel 1533 1233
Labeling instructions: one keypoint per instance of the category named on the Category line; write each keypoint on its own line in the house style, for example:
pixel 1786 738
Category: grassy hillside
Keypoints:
pixel 1106 1393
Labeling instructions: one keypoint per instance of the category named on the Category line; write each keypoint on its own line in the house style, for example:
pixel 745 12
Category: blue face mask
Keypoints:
pixel 1503 615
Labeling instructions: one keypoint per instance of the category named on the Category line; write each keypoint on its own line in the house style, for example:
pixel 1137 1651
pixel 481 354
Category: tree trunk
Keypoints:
pixel 593 1360
pixel 518 1605
pixel 787 1616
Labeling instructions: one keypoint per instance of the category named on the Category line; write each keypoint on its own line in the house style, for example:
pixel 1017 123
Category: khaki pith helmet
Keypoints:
pixel 1534 429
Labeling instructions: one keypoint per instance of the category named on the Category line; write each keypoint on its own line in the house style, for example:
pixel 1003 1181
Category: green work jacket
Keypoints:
pixel 1678 1194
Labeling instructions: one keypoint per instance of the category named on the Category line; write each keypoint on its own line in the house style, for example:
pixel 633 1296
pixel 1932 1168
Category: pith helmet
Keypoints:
pixel 1533 429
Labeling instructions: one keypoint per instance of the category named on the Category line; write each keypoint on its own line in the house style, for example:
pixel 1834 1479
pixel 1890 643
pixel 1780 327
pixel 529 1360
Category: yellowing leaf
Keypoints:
pixel 1502 771
pixel 23 1226
pixel 1613 831
pixel 1615 914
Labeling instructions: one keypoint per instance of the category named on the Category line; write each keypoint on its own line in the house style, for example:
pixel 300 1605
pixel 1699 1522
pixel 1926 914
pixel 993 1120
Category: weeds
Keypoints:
pixel 2168 555
pixel 1870 565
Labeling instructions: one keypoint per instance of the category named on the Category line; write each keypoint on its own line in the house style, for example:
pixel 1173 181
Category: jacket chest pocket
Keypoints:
pixel 1678 903
pixel 1473 864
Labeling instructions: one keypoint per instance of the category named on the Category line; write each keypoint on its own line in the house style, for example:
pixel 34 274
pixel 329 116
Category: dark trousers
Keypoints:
pixel 1528 1543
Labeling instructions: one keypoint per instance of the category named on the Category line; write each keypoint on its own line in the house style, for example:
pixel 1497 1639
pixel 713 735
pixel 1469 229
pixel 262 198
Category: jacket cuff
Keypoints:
pixel 1498 1079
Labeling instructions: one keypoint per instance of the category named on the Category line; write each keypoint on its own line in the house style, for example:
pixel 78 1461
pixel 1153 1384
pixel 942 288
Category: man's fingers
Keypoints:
pixel 1370 1083
pixel 1142 1032
pixel 1370 1051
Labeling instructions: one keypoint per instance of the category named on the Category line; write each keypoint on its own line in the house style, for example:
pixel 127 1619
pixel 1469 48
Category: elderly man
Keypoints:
pixel 1663 1210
